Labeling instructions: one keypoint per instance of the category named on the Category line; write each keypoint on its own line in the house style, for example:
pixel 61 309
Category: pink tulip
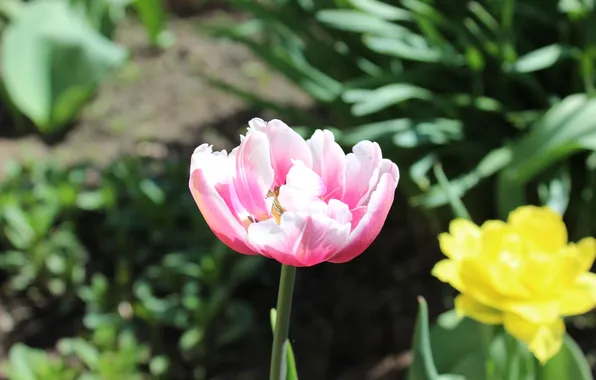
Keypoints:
pixel 298 202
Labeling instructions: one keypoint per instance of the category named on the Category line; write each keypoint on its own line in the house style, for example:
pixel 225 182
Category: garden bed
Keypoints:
pixel 350 322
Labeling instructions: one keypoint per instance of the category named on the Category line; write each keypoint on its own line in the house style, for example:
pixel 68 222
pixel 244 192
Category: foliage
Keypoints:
pixel 56 52
pixel 106 356
pixel 124 243
pixel 436 357
pixel 495 93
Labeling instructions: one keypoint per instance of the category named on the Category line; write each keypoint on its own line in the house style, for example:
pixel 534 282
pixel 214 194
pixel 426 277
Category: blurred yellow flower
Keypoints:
pixel 522 274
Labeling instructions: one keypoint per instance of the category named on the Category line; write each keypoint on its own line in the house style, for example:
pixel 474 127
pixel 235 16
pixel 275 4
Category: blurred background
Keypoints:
pixel 107 269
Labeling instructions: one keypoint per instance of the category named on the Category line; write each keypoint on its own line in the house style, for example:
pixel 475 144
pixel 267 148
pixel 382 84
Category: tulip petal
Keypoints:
pixel 329 161
pixel 447 271
pixel 586 253
pixel 581 297
pixel 207 173
pixel 371 223
pixel 339 211
pixel 293 200
pixel 541 228
pixel 300 239
pixel 360 166
pixel 254 174
pixel 468 306
pixel 285 145
pixel 543 340
pixel 305 180
pixel 463 239
pixel 386 166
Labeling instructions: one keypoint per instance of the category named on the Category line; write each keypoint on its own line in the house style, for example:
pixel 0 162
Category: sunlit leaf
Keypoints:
pixel 52 60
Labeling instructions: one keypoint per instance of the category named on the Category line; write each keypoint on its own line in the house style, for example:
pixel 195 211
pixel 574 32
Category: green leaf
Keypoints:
pixel 191 338
pixel 414 48
pixel 11 8
pixel 568 127
pixel 83 350
pixel 20 365
pixel 158 365
pixel 568 363
pixel 540 59
pixel 52 60
pixel 555 191
pixel 360 22
pixel 407 133
pixel 423 367
pixel 493 162
pixel 457 206
pixel 152 15
pixel 291 371
pixel 381 10
pixel 367 102
pixel 18 228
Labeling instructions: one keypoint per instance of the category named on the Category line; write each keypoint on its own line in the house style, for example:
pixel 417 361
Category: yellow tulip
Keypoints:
pixel 522 274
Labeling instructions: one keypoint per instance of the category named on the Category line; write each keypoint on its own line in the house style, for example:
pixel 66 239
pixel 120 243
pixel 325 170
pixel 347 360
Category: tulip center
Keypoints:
pixel 276 209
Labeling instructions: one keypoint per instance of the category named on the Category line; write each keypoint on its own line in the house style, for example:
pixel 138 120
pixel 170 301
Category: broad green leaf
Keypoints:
pixel 568 363
pixel 404 48
pixel 568 127
pixel 467 356
pixel 540 59
pixel 83 350
pixel 405 132
pixel 291 371
pixel 52 60
pixel 555 191
pixel 18 228
pixel 381 9
pixel 356 21
pixel 11 8
pixel 20 365
pixel 191 338
pixel 492 163
pixel 423 367
pixel 367 102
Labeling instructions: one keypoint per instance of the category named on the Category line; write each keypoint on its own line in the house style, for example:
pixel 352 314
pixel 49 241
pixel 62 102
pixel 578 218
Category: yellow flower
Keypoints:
pixel 523 274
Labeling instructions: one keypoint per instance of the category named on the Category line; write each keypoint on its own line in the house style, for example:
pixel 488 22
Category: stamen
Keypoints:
pixel 276 209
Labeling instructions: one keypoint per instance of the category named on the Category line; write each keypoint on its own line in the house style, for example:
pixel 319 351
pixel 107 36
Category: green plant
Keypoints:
pixel 149 266
pixel 108 355
pixel 55 53
pixel 52 61
pixel 478 89
pixel 41 251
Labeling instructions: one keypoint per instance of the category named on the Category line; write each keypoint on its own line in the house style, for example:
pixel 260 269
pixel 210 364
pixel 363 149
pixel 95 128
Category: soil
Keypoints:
pixel 350 322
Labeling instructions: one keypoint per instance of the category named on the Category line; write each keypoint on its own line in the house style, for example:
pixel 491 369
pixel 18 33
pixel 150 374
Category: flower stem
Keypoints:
pixel 282 322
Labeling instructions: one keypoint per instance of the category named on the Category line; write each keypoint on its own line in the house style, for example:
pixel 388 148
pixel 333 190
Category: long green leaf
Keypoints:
pixel 370 101
pixel 291 371
pixel 360 22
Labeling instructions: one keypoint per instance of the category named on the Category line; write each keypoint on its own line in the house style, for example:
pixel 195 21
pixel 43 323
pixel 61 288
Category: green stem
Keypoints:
pixel 282 322
pixel 513 358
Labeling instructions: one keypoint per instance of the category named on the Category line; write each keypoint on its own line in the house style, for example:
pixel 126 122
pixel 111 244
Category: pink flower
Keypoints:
pixel 298 202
